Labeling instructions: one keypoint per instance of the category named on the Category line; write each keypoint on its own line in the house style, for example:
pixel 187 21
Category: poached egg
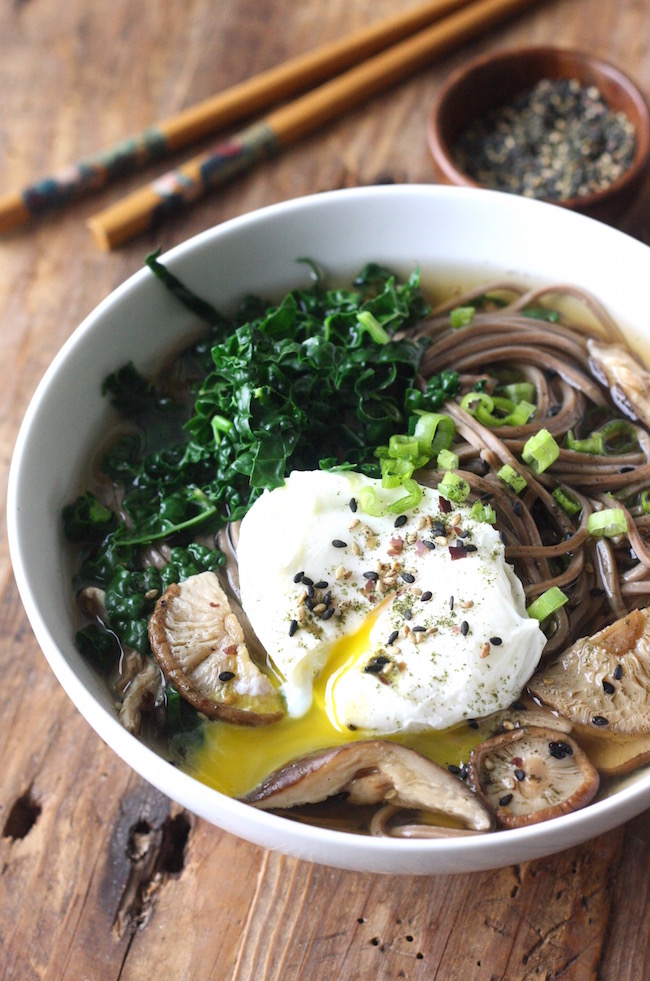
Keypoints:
pixel 409 622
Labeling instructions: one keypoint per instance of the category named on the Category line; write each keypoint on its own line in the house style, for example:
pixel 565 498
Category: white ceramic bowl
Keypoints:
pixel 399 226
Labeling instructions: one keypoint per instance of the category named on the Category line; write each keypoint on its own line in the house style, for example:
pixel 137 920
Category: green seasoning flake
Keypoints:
pixel 547 603
pixel 540 451
pixel 513 479
pixel 607 523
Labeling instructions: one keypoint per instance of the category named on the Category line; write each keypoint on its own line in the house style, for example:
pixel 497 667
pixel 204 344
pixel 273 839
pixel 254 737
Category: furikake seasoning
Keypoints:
pixel 556 141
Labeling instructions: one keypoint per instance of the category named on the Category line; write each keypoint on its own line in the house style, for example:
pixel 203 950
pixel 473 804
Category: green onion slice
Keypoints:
pixel 368 502
pixel 483 512
pixel 512 478
pixel 546 604
pixel 566 501
pixel 607 523
pixel 434 432
pixel 454 487
pixel 593 443
pixel 519 392
pixel 540 451
pixel 370 323
pixel 645 501
pixel 410 500
pixel 461 316
pixel 448 460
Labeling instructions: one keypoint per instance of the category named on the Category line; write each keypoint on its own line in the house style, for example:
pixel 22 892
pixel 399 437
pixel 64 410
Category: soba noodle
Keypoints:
pixel 604 578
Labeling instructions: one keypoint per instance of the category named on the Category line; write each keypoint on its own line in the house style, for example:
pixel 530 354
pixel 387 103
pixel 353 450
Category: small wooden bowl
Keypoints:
pixel 494 80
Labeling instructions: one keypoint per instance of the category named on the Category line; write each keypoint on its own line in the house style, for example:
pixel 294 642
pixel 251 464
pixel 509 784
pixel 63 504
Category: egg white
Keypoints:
pixel 451 668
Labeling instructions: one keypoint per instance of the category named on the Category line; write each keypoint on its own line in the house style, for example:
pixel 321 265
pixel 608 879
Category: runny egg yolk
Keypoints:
pixel 234 759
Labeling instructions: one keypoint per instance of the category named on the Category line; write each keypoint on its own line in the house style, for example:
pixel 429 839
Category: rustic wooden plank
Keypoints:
pixel 100 875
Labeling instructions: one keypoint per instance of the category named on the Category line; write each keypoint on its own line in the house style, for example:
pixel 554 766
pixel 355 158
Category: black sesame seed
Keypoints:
pixel 382 659
pixel 353 504
pixel 464 628
pixel 453 769
pixel 505 800
pixel 503 537
pixel 608 688
pixel 418 630
pixel 519 774
pixel 298 577
pixel 400 521
pixel 626 469
pixel 517 508
pixel 470 548
pixel 600 720
pixel 496 641
pixel 373 668
pixel 310 592
pixel 293 626
pixel 472 723
pixel 451 602
pixel 321 585
pixel 618 672
pixel 226 675
pixel 327 597
pixel 326 614
pixel 438 529
pixel 426 596
pixel 408 614
pixel 306 581
pixel 393 637
pixel 428 544
pixel 309 603
pixel 407 577
pixel 373 576
pixel 464 772
pixel 559 750
pixel 337 543
pixel 462 534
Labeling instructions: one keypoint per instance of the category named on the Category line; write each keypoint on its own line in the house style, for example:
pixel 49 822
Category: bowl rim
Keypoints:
pixel 441 151
pixel 325 846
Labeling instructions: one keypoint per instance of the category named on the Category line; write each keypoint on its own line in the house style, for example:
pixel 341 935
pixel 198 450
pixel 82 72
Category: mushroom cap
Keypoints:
pixel 531 775
pixel 627 379
pixel 524 712
pixel 614 755
pixel 199 644
pixel 603 682
pixel 372 772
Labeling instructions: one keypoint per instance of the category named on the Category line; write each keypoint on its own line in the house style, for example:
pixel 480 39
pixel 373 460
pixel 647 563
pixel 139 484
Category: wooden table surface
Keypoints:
pixel 102 877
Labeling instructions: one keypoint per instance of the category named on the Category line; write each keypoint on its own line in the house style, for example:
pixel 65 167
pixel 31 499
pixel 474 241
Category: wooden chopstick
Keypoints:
pixel 179 188
pixel 214 114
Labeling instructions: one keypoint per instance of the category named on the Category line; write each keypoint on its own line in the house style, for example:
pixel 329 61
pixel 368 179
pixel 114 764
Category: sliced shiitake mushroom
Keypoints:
pixel 614 755
pixel 199 644
pixel 627 379
pixel 372 772
pixel 603 682
pixel 525 711
pixel 530 775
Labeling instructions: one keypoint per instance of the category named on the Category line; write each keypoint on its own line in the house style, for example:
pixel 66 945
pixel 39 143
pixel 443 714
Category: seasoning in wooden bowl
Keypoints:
pixel 547 123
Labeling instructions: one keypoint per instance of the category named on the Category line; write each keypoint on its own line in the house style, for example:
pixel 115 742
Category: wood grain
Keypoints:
pixel 102 877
